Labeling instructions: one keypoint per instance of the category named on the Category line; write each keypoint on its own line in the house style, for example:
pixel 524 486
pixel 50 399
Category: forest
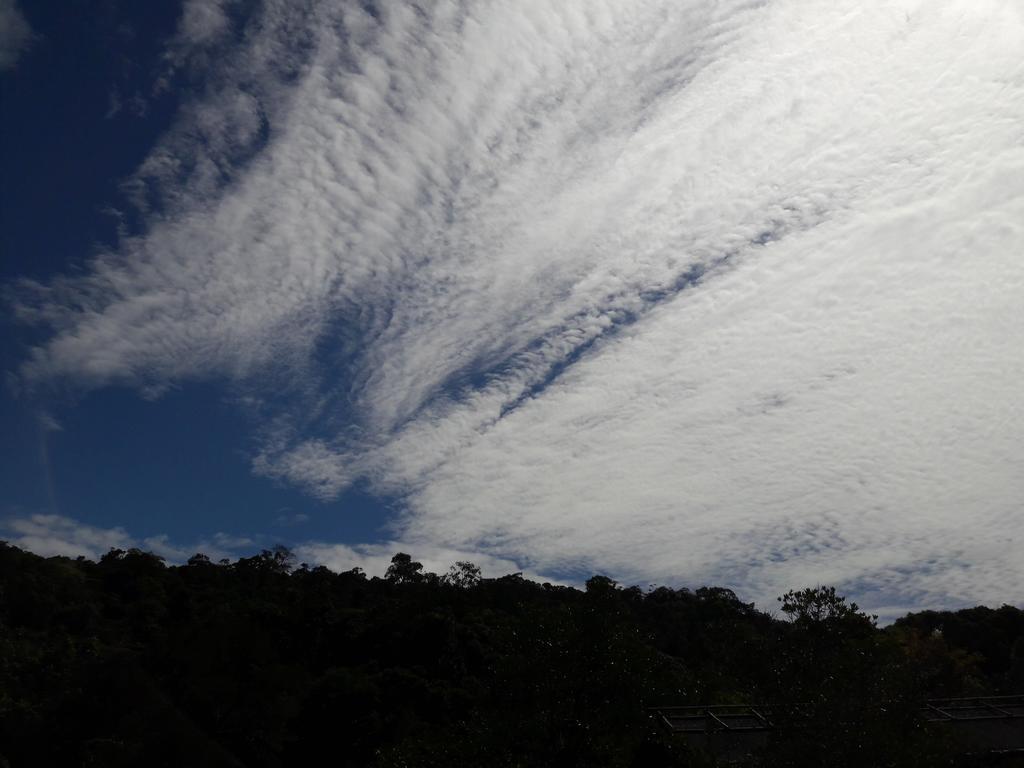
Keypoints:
pixel 265 662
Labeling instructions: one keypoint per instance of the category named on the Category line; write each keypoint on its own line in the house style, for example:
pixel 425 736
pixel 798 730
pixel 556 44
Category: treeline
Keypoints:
pixel 130 662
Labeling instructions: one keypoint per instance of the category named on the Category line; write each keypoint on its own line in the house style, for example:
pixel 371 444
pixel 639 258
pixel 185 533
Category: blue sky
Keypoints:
pixel 177 464
pixel 681 292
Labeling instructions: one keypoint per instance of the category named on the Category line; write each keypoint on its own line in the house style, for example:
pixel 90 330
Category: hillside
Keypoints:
pixel 128 661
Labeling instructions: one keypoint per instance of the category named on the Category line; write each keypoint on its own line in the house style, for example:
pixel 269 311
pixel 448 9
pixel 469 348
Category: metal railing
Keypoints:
pixel 974 708
pixel 982 724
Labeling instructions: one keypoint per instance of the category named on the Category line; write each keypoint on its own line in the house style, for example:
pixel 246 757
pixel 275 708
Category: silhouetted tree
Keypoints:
pixel 463 575
pixel 128 661
pixel 822 607
pixel 601 585
pixel 404 570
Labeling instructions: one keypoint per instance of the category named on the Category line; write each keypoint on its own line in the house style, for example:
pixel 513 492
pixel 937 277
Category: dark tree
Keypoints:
pixel 463 575
pixel 128 661
pixel 404 570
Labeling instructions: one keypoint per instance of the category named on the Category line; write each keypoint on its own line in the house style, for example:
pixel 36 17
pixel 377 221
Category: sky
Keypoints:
pixel 678 291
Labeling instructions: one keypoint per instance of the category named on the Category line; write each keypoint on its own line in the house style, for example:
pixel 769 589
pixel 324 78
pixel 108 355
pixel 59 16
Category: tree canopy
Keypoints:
pixel 129 661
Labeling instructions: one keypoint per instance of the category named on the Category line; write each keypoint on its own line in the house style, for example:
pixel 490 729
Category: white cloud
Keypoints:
pixel 204 21
pixel 289 518
pixel 198 44
pixel 374 559
pixel 15 34
pixel 836 410
pixel 49 535
pixel 402 228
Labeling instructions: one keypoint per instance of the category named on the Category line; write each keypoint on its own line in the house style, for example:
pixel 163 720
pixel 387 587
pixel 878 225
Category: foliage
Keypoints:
pixel 823 607
pixel 463 575
pixel 404 570
pixel 128 661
